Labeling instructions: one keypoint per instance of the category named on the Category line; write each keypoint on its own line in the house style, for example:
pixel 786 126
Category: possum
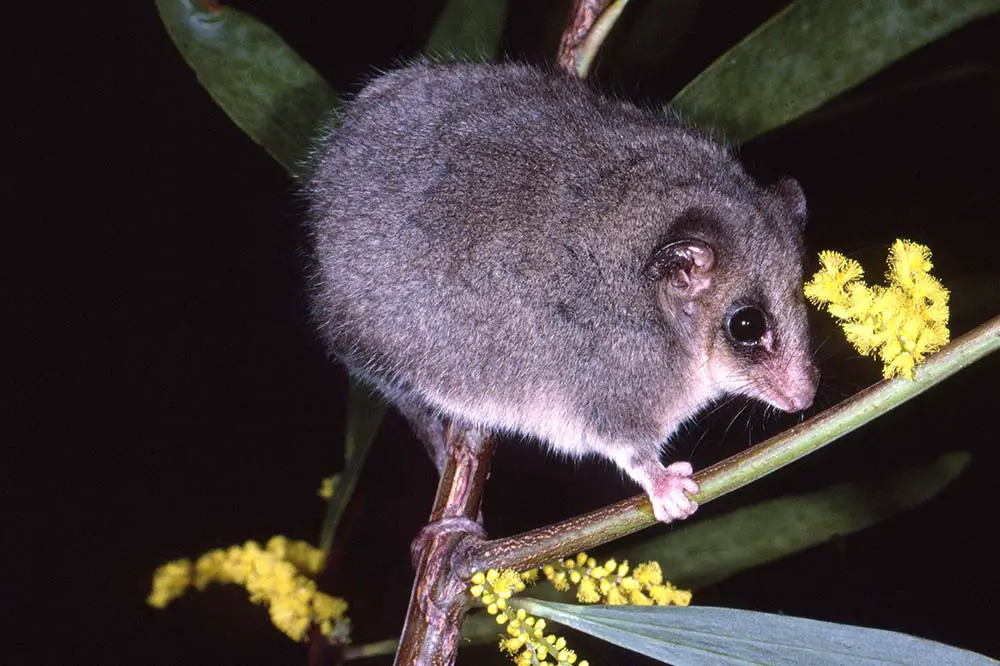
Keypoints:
pixel 506 248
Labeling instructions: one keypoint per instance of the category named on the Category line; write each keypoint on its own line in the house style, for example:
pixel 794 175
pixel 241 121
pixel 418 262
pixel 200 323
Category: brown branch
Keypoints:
pixel 437 601
pixel 552 542
pixel 582 18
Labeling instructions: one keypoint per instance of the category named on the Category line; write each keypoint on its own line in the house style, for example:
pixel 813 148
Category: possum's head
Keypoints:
pixel 728 277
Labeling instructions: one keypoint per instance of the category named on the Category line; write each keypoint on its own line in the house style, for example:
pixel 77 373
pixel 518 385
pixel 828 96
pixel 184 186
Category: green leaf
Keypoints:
pixel 709 551
pixel 809 53
pixel 705 636
pixel 267 89
pixel 364 414
pixel 468 29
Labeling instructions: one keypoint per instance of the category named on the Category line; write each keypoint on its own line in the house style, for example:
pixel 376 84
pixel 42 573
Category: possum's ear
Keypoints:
pixel 685 264
pixel 790 193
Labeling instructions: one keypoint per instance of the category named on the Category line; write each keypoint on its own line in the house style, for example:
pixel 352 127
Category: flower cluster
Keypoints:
pixel 526 640
pixel 610 583
pixel 902 322
pixel 275 576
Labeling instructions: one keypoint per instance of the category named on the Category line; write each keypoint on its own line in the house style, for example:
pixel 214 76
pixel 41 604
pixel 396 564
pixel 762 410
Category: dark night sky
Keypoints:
pixel 167 395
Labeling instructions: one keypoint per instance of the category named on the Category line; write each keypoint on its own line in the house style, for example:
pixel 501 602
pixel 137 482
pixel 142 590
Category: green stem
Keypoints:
pixel 532 549
pixel 587 51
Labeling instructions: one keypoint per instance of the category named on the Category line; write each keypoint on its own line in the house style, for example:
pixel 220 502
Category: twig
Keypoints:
pixel 582 18
pixel 437 601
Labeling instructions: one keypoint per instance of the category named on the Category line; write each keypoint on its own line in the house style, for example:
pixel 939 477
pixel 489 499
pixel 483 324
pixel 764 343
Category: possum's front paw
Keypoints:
pixel 668 491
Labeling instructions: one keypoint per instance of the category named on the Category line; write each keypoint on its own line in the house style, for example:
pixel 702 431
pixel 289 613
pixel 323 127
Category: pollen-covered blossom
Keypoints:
pixel 610 583
pixel 901 322
pixel 526 641
pixel 274 576
pixel 169 582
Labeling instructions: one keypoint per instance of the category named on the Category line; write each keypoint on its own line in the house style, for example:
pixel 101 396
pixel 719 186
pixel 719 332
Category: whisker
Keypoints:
pixel 735 417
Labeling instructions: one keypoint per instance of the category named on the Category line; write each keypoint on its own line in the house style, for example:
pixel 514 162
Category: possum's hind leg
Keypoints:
pixel 430 428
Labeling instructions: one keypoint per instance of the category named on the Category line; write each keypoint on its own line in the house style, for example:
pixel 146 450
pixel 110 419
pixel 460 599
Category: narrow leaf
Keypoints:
pixel 469 29
pixel 267 89
pixel 809 53
pixel 705 636
pixel 712 550
pixel 364 414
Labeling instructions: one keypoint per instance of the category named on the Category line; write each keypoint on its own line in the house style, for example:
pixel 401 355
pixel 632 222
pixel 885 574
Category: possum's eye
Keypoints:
pixel 746 326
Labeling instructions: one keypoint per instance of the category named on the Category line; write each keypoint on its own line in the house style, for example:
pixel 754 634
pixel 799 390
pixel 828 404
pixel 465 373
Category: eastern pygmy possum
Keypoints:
pixel 508 249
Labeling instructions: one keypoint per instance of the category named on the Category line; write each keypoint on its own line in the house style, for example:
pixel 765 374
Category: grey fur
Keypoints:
pixel 482 237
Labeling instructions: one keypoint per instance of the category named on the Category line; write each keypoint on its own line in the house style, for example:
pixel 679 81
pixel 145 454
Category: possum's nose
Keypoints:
pixel 799 387
pixel 800 402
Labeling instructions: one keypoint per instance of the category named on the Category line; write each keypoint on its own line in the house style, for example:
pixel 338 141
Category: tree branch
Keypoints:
pixel 582 18
pixel 437 601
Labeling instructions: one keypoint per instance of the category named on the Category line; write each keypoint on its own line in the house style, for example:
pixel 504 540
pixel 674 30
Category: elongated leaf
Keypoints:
pixel 469 29
pixel 712 550
pixel 270 92
pixel 364 415
pixel 811 52
pixel 704 636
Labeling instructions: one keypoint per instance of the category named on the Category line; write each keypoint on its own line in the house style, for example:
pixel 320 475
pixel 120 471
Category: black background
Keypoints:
pixel 167 396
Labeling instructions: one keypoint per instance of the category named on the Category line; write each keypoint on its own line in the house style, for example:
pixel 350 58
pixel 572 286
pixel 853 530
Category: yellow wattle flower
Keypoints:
pixel 170 582
pixel 901 322
pixel 273 576
pixel 611 583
